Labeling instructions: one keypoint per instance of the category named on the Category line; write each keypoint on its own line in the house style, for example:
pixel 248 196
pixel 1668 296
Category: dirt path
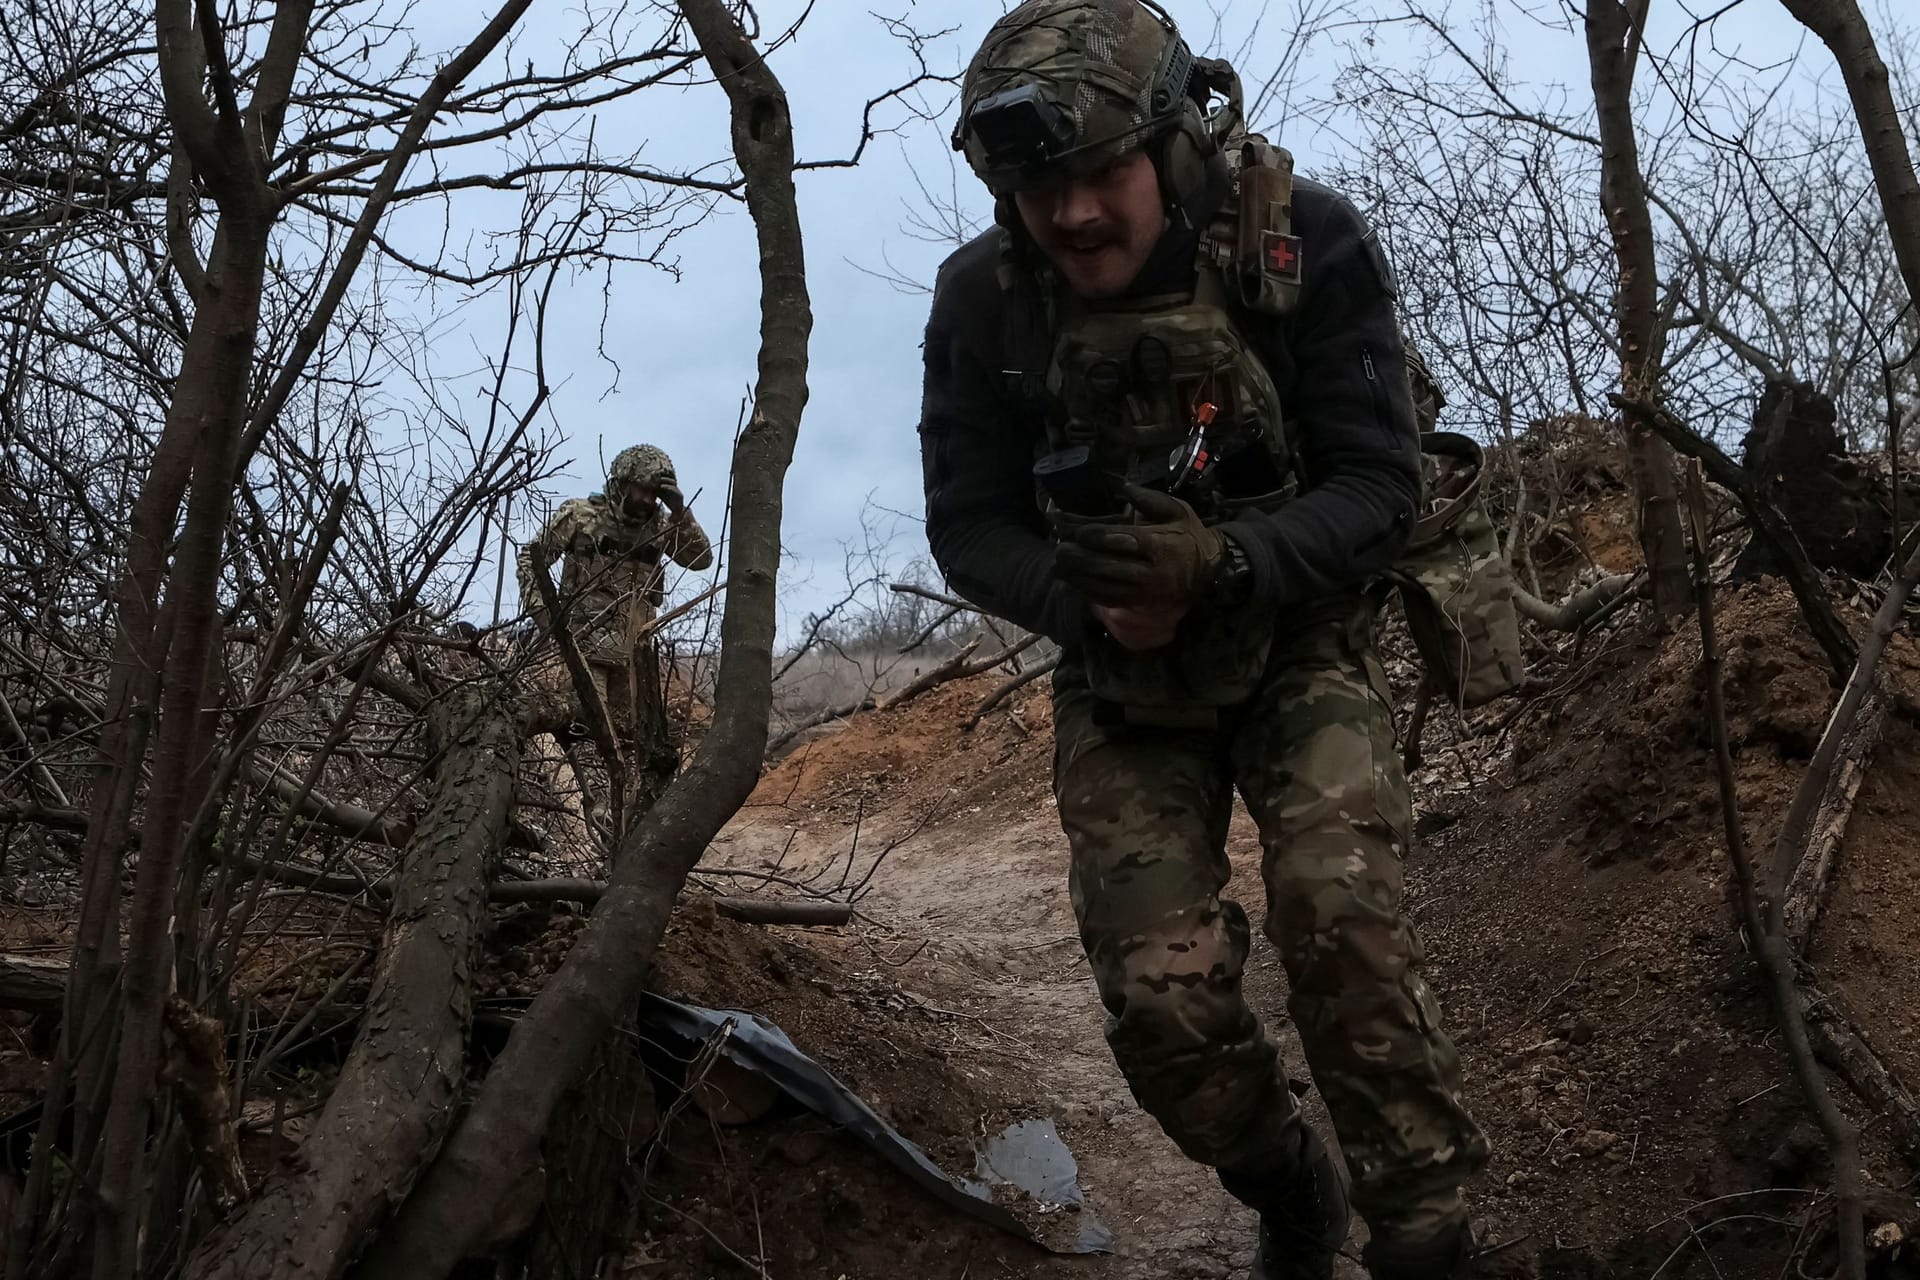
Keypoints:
pixel 978 902
pixel 1571 895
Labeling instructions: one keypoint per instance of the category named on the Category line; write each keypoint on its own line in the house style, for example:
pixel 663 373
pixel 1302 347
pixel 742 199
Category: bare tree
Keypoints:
pixel 195 680
pixel 1614 34
pixel 1883 127
pixel 497 1142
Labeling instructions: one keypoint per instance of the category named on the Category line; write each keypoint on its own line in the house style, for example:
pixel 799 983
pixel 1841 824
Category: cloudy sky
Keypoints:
pixel 686 347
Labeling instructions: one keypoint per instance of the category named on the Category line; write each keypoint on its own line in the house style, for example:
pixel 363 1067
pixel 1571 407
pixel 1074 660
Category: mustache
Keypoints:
pixel 1098 237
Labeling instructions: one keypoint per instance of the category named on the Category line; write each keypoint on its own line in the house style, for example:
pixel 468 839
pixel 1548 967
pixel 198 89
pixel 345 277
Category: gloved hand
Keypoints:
pixel 1164 563
pixel 669 493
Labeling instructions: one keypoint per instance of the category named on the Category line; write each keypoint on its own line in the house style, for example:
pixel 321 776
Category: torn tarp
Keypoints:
pixel 1029 1156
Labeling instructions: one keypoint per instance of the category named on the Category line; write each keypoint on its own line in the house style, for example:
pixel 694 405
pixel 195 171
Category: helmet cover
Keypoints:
pixel 1061 87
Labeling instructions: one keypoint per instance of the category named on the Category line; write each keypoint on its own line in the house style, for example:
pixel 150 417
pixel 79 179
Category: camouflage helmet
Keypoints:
pixel 1060 87
pixel 646 463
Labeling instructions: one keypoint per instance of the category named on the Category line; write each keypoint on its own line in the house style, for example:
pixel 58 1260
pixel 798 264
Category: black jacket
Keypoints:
pixel 1340 369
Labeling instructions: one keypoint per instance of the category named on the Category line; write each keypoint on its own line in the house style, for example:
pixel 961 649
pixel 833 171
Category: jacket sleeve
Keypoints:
pixel 552 544
pixel 1352 422
pixel 984 522
pixel 685 541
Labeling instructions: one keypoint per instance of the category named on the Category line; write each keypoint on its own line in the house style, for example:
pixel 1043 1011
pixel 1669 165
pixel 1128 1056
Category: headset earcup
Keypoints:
pixel 1190 166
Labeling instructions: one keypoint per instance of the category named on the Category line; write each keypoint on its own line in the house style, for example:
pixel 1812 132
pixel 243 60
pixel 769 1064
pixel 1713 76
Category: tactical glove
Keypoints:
pixel 670 494
pixel 1169 561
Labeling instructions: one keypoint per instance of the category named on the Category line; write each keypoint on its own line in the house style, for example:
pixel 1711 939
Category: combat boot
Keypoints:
pixel 1451 1256
pixel 1303 1212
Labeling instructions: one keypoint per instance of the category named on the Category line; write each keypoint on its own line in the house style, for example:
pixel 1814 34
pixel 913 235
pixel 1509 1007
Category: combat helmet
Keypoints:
pixel 1060 87
pixel 646 463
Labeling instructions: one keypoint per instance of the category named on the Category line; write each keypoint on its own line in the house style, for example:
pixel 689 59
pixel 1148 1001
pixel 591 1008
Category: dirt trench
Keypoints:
pixel 1569 884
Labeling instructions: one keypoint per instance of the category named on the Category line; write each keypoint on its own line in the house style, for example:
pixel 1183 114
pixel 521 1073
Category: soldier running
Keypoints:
pixel 1167 423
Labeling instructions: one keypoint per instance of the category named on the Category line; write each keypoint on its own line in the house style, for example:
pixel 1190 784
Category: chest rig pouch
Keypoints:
pixel 1168 394
pixel 1171 393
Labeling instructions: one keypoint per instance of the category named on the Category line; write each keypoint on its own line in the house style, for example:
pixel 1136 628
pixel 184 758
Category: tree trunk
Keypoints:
pixel 590 1185
pixel 209 411
pixel 1844 30
pixel 498 1142
pixel 395 1096
pixel 603 1120
pixel 1613 45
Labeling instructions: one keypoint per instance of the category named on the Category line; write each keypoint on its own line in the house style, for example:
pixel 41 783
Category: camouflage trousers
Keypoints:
pixel 1146 810
pixel 628 687
pixel 636 706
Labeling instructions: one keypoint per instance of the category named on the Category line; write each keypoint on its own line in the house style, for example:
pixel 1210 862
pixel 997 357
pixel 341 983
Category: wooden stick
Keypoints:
pixel 1761 918
pixel 795 911
pixel 1006 690
pixel 914 589
pixel 1807 883
pixel 1577 609
pixel 599 717
pixel 1822 778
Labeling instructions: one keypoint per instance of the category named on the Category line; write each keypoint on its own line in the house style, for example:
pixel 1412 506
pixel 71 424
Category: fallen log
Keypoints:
pixel 958 668
pixel 1804 852
pixel 794 911
pixel 1807 887
pixel 784 911
pixel 1843 1047
pixel 394 1098
pixel 818 718
pixel 1578 609
pixel 950 669
pixel 32 984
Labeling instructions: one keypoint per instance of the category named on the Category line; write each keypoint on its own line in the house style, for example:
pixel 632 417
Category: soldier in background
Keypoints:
pixel 609 550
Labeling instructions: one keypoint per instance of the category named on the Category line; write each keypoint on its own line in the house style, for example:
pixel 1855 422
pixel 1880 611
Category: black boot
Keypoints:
pixel 1303 1212
pixel 1451 1256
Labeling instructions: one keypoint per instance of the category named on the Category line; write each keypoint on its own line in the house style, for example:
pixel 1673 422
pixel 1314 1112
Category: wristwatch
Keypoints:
pixel 1233 574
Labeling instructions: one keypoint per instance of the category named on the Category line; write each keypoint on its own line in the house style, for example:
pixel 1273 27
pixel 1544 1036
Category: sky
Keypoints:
pixel 686 347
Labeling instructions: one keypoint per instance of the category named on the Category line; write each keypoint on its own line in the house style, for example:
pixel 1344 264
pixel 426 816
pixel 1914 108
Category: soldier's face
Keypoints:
pixel 1098 231
pixel 639 499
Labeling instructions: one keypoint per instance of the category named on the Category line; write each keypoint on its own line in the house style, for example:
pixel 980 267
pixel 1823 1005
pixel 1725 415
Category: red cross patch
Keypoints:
pixel 1280 255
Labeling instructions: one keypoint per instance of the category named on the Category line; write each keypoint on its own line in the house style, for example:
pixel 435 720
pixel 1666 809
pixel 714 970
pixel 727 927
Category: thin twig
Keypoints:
pixel 1762 920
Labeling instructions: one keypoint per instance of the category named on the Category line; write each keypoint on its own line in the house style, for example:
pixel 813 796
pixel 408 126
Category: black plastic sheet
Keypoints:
pixel 1028 1157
